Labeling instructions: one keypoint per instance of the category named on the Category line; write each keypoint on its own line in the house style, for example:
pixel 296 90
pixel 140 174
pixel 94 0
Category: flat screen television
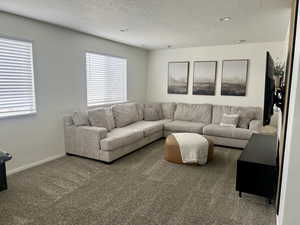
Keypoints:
pixel 269 90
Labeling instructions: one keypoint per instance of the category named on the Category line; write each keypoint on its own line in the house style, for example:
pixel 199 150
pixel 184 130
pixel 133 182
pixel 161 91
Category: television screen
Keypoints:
pixel 269 90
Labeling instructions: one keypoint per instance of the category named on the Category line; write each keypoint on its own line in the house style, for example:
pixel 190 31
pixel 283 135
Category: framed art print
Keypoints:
pixel 178 74
pixel 234 77
pixel 204 81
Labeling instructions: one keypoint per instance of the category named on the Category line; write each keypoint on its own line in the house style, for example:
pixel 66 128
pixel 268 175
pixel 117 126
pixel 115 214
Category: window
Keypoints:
pixel 106 79
pixel 17 95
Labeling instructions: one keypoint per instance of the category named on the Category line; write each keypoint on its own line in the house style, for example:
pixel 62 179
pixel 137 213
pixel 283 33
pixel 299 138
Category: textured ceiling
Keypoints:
pixel 155 24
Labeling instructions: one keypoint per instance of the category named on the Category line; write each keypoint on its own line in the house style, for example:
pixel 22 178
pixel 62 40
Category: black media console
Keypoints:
pixel 3 158
pixel 257 168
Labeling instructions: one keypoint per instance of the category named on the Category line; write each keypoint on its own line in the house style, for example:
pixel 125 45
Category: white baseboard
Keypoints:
pixel 277 220
pixel 21 168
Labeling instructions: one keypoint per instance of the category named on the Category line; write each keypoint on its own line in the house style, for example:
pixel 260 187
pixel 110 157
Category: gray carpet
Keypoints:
pixel 140 189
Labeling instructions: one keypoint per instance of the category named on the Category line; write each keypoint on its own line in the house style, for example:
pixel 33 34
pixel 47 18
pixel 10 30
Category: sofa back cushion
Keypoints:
pixel 152 115
pixel 80 118
pixel 258 112
pixel 140 110
pixel 168 110
pixel 230 120
pixel 102 117
pixel 245 118
pixel 218 111
pixel 246 114
pixel 193 112
pixel 153 111
pixel 125 114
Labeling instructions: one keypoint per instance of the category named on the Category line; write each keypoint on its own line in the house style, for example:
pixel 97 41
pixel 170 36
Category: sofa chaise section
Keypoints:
pixel 227 132
pixel 250 122
pixel 227 136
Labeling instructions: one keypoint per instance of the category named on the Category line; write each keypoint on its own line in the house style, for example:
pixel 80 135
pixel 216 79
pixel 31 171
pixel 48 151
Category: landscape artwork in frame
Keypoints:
pixel 204 82
pixel 178 74
pixel 234 77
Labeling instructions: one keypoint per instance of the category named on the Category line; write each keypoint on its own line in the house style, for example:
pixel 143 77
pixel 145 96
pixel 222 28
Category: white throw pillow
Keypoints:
pixel 229 120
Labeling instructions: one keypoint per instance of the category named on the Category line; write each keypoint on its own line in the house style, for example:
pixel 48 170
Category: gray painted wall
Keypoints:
pixel 157 82
pixel 289 199
pixel 59 64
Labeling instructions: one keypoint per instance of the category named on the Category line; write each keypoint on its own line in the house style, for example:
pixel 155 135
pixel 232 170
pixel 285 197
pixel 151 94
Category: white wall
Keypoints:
pixel 256 53
pixel 59 56
pixel 290 196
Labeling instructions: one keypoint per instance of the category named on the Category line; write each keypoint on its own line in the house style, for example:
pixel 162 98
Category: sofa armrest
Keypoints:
pixel 255 125
pixel 84 140
pixel 93 133
pixel 68 121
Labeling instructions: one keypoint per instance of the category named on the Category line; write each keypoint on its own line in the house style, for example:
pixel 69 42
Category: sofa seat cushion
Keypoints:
pixel 184 126
pixel 228 132
pixel 147 127
pixel 119 137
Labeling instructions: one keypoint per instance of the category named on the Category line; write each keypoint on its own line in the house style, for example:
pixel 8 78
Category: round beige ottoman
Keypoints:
pixel 172 151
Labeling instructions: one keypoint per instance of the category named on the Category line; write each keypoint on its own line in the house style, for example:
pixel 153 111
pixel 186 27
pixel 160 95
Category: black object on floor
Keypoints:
pixel 256 167
pixel 3 158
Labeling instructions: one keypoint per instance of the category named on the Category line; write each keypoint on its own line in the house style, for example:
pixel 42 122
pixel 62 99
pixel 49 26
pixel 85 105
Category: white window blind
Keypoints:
pixel 17 94
pixel 106 79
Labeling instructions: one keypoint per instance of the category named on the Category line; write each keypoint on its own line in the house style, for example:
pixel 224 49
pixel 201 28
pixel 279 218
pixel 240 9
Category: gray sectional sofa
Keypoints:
pixel 108 133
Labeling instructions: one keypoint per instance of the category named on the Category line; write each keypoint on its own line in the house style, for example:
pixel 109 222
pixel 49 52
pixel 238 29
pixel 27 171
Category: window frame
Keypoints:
pixel 19 114
pixel 86 80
